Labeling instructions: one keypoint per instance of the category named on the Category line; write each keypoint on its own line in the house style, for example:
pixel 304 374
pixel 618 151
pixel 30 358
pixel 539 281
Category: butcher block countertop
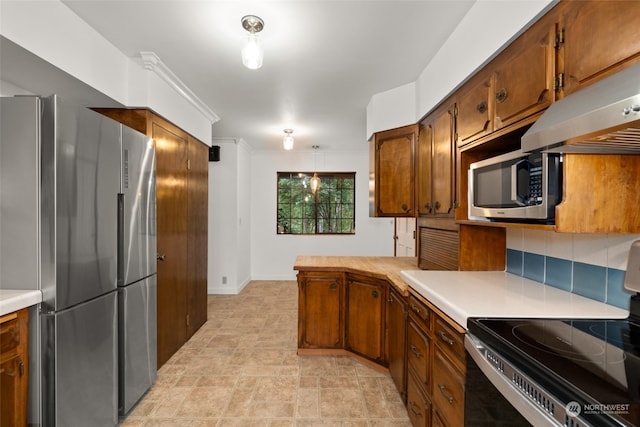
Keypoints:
pixel 381 267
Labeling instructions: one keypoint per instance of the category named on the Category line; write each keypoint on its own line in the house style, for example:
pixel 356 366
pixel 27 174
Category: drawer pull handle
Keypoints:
pixel 443 391
pixel 415 308
pixel 412 406
pixel 415 351
pixel 445 338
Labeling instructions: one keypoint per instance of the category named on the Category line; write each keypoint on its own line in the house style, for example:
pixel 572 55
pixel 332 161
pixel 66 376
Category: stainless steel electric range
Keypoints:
pixel 556 372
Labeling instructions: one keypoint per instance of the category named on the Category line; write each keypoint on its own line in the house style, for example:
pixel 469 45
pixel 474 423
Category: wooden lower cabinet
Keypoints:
pixel 346 313
pixel 14 368
pixel 436 360
pixel 365 316
pixel 320 310
pixel 396 340
pixel 418 404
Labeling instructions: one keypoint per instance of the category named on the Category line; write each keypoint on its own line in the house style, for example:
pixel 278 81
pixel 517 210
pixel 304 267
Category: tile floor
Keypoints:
pixel 241 369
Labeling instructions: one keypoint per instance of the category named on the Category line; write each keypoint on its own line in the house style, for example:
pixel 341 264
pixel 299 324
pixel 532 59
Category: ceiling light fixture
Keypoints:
pixel 314 182
pixel 287 141
pixel 252 51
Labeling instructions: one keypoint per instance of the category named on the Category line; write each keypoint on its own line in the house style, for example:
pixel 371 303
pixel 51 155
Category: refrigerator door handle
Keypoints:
pixel 121 239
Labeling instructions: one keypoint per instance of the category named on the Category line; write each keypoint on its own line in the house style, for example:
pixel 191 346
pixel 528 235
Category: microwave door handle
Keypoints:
pixel 515 197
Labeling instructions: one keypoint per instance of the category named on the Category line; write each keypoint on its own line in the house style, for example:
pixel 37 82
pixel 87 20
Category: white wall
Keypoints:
pixel 229 223
pixel 273 255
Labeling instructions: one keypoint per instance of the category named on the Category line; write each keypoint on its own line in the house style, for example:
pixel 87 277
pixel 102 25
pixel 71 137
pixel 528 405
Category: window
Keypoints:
pixel 331 210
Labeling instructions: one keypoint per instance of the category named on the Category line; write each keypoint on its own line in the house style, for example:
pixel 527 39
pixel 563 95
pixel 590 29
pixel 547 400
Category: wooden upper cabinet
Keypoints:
pixel 436 164
pixel 524 75
pixel 423 181
pixel 600 38
pixel 393 153
pixel 475 109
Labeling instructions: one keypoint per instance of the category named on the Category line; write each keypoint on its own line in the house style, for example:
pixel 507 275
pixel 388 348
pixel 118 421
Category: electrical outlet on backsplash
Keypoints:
pixel 591 265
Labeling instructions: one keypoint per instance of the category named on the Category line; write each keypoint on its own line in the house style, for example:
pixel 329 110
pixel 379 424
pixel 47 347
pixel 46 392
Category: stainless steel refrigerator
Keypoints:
pixel 95 221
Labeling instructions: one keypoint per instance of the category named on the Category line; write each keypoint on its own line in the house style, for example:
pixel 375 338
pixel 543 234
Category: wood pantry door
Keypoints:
pixel 171 193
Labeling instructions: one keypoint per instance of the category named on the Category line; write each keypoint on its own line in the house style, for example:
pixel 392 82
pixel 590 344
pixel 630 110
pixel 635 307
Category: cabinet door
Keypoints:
pixel 395 172
pixel 475 111
pixel 448 390
pixel 600 38
pixel 320 322
pixel 171 193
pixel 443 164
pixel 13 403
pixel 425 141
pixel 198 176
pixel 395 340
pixel 365 317
pixel 524 76
pixel 418 405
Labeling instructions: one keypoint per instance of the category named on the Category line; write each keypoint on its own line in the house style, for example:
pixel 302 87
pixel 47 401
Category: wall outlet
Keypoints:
pixel 224 280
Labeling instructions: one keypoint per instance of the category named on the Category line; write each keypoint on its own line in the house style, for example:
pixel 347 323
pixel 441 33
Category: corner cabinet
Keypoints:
pixel 14 368
pixel 392 174
pixel 365 310
pixel 182 170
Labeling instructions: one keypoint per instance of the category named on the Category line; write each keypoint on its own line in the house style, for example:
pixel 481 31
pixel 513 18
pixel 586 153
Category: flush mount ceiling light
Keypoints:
pixel 287 141
pixel 252 51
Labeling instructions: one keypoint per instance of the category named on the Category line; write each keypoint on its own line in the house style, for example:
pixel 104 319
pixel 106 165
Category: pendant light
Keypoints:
pixel 287 141
pixel 252 51
pixel 314 182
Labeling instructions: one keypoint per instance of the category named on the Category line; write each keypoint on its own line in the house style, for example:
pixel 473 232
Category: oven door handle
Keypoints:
pixel 477 351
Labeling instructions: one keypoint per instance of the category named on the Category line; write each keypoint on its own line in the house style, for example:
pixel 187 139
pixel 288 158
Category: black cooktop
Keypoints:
pixel 595 363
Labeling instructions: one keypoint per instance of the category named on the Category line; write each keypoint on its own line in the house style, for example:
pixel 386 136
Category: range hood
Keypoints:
pixel 602 118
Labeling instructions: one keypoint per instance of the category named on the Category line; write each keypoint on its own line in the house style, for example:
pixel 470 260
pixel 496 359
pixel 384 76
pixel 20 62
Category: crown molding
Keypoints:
pixel 152 62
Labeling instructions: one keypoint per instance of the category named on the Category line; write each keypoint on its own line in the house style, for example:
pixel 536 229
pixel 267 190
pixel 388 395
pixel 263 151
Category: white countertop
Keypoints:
pixel 464 294
pixel 12 300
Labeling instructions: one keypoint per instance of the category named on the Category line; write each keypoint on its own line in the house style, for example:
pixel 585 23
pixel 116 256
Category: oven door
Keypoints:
pixel 492 399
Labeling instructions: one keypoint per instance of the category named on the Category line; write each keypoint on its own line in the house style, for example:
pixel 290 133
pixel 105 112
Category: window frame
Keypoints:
pixel 285 220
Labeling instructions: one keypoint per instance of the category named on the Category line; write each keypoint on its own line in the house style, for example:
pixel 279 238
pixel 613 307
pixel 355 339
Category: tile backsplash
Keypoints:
pixel 591 265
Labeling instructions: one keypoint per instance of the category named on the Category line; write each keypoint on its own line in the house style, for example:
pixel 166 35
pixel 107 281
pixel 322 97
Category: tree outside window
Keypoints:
pixel 330 210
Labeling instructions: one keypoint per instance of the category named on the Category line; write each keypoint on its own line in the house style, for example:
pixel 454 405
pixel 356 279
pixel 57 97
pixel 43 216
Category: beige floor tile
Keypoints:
pixel 241 369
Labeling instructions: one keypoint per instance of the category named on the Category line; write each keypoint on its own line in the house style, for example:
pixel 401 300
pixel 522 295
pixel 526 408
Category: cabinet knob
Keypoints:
pixel 160 257
pixel 436 205
pixel 374 294
pixel 333 286
pixel 482 107
pixel 501 95
pixel 404 207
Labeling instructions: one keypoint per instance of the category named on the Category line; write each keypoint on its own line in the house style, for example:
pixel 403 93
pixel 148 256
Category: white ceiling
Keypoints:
pixel 323 59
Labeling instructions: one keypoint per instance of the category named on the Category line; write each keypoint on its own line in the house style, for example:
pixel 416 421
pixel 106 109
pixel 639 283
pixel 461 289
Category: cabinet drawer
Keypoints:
pixel 448 390
pixel 449 340
pixel 418 406
pixel 418 350
pixel 9 334
pixel 420 312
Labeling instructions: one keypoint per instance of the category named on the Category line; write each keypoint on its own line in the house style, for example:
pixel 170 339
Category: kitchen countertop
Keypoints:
pixel 13 300
pixel 381 267
pixel 465 294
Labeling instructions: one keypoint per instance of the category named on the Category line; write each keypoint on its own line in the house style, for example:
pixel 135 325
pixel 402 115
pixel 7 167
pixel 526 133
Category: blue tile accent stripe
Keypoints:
pixel 598 283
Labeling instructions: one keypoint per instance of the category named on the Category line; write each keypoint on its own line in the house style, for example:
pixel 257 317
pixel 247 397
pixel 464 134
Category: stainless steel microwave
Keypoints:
pixel 516 186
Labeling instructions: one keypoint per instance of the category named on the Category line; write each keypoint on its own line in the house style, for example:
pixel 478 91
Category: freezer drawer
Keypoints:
pixel 137 341
pixel 79 364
